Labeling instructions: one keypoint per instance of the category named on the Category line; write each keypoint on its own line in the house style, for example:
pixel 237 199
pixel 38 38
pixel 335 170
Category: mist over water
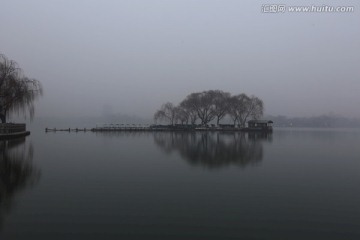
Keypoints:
pixel 130 57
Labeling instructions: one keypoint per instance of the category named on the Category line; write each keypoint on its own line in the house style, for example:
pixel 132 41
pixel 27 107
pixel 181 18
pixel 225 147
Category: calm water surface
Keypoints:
pixel 293 184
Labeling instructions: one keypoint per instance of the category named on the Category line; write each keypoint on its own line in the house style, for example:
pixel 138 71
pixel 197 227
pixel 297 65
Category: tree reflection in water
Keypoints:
pixel 214 149
pixel 16 171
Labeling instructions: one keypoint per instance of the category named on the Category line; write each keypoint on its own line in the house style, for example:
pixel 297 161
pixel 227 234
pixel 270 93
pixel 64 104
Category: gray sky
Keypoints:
pixel 135 55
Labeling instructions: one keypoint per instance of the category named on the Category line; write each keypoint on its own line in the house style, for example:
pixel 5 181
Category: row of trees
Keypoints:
pixel 211 105
pixel 17 92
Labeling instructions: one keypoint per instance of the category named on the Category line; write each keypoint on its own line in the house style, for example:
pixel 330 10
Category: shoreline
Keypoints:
pixel 5 136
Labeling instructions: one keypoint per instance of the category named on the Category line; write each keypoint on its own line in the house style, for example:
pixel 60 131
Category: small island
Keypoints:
pixel 204 111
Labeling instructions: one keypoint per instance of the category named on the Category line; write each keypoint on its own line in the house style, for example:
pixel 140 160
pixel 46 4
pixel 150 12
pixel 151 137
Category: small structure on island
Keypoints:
pixel 260 125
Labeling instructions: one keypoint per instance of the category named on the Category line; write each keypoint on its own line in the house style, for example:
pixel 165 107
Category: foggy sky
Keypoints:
pixel 132 56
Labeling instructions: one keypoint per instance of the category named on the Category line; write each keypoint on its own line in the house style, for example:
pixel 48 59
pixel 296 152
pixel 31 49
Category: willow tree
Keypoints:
pixel 221 104
pixel 242 107
pixel 17 92
pixel 202 103
pixel 167 112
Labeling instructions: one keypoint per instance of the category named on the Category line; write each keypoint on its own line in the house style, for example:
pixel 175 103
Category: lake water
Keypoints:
pixel 292 184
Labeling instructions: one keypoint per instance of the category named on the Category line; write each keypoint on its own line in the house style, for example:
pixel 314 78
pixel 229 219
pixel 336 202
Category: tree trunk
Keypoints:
pixel 3 118
pixel 2 114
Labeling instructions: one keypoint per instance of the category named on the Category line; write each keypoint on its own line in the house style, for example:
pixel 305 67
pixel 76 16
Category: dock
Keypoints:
pixel 13 130
pixel 67 129
pixel 136 129
pixel 105 128
pixel 157 128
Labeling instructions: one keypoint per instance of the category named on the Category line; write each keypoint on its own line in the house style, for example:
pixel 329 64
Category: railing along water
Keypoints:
pixel 6 128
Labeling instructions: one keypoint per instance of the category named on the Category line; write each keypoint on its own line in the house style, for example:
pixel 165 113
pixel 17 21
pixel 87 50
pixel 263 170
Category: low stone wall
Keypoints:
pixel 6 128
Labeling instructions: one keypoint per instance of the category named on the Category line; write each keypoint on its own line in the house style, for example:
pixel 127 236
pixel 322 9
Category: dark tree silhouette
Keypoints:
pixel 167 112
pixel 242 107
pixel 202 104
pixel 182 115
pixel 221 103
pixel 17 92
pixel 237 107
pixel 210 105
pixel 190 109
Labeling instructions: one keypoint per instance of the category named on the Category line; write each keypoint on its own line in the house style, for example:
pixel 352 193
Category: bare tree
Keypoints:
pixel 241 107
pixel 255 107
pixel 202 104
pixel 237 108
pixel 167 112
pixel 17 92
pixel 243 112
pixel 208 105
pixel 181 115
pixel 221 104
pixel 193 117
pixel 190 110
